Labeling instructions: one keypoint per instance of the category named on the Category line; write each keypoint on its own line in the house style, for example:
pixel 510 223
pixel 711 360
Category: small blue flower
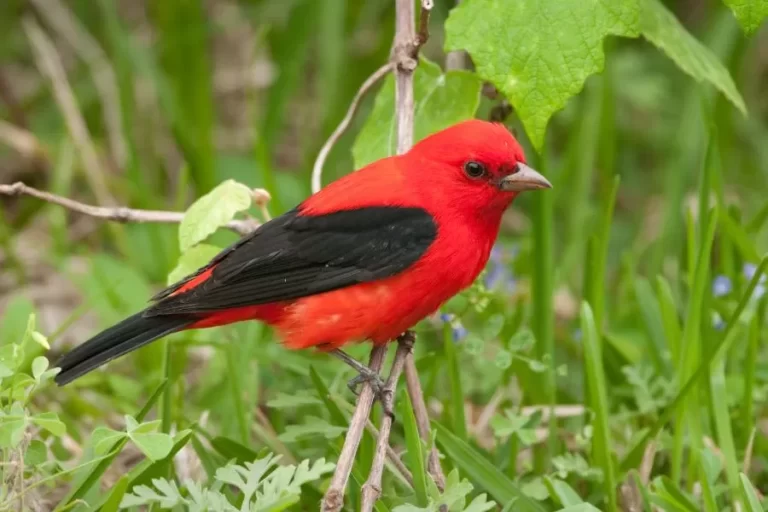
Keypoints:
pixel 717 321
pixel 458 331
pixel 577 334
pixel 749 270
pixel 721 286
pixel 499 272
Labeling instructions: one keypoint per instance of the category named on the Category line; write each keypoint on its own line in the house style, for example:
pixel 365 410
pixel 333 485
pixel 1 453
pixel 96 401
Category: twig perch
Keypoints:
pixel 116 213
pixel 334 497
pixel 372 487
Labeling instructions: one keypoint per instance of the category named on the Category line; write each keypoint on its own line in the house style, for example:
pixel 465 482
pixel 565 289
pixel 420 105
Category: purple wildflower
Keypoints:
pixel 721 286
pixel 458 331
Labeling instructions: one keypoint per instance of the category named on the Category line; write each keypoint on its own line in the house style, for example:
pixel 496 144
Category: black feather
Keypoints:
pixel 298 255
pixel 130 334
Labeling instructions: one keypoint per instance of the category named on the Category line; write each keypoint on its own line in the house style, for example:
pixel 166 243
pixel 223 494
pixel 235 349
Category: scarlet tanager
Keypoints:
pixel 366 258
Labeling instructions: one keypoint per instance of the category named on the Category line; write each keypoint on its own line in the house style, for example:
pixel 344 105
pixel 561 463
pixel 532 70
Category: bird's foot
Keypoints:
pixel 365 375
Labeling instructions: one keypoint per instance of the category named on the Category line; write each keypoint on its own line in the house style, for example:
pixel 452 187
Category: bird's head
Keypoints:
pixel 476 165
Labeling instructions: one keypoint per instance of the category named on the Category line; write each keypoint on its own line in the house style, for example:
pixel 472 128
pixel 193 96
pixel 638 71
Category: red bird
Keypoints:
pixel 365 258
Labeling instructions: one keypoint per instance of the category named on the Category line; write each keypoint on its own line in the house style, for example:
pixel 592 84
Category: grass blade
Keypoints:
pixel 486 475
pixel 601 441
pixel 416 458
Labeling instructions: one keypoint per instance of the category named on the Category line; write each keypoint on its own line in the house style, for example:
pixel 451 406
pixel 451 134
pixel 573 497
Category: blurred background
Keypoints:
pixel 152 104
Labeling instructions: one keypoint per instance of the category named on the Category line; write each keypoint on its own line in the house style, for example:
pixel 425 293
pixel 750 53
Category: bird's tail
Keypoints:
pixel 130 334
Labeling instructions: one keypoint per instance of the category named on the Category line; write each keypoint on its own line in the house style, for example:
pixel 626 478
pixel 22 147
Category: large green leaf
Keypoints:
pixel 750 13
pixel 441 99
pixel 538 53
pixel 212 211
pixel 660 27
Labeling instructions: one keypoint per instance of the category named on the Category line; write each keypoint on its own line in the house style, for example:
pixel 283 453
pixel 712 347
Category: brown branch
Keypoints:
pixel 372 487
pixel 334 496
pixel 317 169
pixel 116 214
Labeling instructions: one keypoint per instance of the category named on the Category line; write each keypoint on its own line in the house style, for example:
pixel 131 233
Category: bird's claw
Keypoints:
pixel 383 394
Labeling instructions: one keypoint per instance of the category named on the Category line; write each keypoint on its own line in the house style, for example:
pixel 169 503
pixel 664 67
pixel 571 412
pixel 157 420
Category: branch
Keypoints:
pixel 116 214
pixel 317 169
pixel 334 496
pixel 372 487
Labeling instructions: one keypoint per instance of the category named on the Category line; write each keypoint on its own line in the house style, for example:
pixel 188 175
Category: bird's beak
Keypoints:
pixel 524 179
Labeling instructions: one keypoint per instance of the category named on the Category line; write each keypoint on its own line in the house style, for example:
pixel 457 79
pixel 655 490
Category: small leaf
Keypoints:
pixel 12 431
pixel 39 365
pixel 286 401
pixel 104 438
pixel 50 421
pixel 212 211
pixel 750 13
pixel 142 428
pixel 192 260
pixel 41 340
pixel 36 453
pixel 313 426
pixel 440 100
pixel 155 446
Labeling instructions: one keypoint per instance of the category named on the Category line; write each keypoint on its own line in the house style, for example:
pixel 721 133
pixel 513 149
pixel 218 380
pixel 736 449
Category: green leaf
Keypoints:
pixel 752 502
pixel 103 439
pixel 12 430
pixel 441 99
pixel 313 426
pixel 155 445
pixel 36 453
pixel 212 211
pixel 541 52
pixel 192 260
pixel 661 28
pixel 294 400
pixel 581 507
pixel 750 13
pixel 39 365
pixel 50 421
pixel 40 339
pixel 483 472
pixel 112 504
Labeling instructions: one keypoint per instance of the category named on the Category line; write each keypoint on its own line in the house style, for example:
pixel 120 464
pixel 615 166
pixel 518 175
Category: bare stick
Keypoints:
pixel 118 213
pixel 422 420
pixel 334 497
pixel 317 169
pixel 372 487
pixel 50 65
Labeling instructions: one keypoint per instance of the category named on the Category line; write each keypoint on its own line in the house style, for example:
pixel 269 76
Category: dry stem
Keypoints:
pixel 334 497
pixel 117 213
pixel 372 487
pixel 317 169
pixel 50 65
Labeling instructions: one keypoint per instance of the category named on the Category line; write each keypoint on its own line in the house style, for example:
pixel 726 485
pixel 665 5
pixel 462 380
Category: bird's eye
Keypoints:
pixel 474 169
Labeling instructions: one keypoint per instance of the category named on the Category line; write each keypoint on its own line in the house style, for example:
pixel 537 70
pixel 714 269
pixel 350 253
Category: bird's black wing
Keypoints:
pixel 298 255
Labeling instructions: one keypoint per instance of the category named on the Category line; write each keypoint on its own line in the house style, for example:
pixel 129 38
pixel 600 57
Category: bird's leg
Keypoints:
pixel 364 374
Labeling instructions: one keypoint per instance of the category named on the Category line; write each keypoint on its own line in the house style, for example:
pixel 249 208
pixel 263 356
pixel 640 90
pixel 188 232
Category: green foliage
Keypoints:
pixel 453 498
pixel 440 100
pixel 212 211
pixel 750 13
pixel 545 51
pixel 263 486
